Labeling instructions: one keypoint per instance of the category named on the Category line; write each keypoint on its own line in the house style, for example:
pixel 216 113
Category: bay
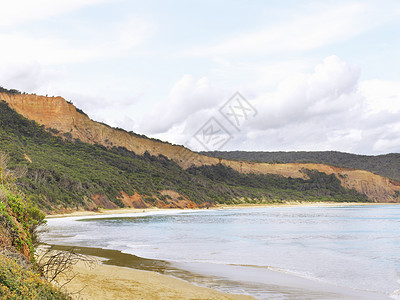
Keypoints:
pixel 343 252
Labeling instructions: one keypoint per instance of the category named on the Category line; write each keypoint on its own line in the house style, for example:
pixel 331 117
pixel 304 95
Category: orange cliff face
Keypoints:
pixel 57 113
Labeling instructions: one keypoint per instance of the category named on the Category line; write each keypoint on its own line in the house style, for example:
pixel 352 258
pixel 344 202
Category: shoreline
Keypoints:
pixel 301 204
pixel 85 213
pixel 114 276
pixel 117 275
pixel 102 212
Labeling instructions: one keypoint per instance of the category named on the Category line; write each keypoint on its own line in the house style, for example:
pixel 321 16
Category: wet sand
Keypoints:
pixel 119 275
pixel 107 279
pixel 111 282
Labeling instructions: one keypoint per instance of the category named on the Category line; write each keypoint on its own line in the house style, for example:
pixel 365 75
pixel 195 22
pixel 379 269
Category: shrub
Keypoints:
pixel 18 283
pixel 17 217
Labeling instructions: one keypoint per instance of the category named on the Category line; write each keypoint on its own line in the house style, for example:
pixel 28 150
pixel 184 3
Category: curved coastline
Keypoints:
pixel 294 287
pixel 119 211
pixel 131 277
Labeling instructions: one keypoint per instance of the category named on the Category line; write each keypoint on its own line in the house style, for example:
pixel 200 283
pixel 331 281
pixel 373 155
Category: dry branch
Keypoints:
pixel 57 266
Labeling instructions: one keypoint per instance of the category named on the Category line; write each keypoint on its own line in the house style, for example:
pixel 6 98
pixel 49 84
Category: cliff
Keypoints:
pixel 57 113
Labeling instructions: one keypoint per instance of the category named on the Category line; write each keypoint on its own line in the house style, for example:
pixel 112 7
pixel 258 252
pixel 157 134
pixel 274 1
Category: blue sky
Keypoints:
pixel 322 75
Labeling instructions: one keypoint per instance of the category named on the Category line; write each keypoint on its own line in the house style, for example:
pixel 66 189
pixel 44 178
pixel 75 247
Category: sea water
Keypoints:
pixel 348 252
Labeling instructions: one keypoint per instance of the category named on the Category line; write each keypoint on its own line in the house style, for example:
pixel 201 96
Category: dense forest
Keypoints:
pixel 60 172
pixel 387 165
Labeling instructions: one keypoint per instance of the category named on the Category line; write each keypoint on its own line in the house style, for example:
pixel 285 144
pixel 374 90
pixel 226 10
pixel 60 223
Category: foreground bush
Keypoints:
pixel 18 283
pixel 19 220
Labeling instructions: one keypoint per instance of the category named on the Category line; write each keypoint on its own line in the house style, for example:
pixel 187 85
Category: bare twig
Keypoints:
pixel 57 266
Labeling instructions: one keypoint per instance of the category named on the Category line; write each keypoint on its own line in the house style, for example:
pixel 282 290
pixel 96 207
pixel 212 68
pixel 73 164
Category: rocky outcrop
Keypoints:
pixel 135 200
pixel 58 114
pixel 173 199
pixel 102 201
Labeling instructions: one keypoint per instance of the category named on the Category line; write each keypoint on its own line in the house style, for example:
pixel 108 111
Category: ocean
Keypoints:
pixel 341 252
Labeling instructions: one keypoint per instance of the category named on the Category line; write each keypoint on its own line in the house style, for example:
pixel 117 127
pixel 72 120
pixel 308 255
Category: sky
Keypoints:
pixel 253 75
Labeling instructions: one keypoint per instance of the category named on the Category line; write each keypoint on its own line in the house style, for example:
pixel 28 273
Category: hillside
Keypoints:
pixel 74 162
pixel 387 165
pixel 64 173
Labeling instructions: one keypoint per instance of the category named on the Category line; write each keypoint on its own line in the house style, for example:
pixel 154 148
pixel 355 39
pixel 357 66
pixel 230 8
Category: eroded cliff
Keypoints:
pixel 57 113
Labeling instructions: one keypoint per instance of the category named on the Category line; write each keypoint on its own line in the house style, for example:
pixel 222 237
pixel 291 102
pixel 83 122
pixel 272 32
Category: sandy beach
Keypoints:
pixel 82 213
pixel 222 206
pixel 111 282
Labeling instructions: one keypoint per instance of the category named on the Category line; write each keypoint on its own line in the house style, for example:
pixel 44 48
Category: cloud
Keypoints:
pixel 34 63
pixel 187 97
pixel 319 26
pixel 43 50
pixel 21 11
pixel 47 49
pixel 29 77
pixel 381 95
pixel 328 90
pixel 327 109
pixel 260 74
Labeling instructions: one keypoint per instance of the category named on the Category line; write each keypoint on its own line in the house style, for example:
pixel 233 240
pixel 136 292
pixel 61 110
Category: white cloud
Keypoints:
pixel 381 95
pixel 327 91
pixel 187 96
pixel 50 50
pixel 326 110
pixel 35 64
pixel 319 27
pixel 259 75
pixel 46 50
pixel 29 77
pixel 322 110
pixel 21 11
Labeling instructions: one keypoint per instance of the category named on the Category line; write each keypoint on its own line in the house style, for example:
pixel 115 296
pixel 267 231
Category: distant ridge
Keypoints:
pixel 387 165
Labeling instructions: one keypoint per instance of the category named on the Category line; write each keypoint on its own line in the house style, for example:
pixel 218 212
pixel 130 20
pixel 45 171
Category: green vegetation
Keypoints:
pixel 18 224
pixel 11 92
pixel 65 173
pixel 19 283
pixel 387 165
pixel 18 219
pixel 80 111
pixel 270 187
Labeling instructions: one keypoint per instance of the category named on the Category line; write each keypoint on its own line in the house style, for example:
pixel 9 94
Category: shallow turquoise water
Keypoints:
pixel 271 253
